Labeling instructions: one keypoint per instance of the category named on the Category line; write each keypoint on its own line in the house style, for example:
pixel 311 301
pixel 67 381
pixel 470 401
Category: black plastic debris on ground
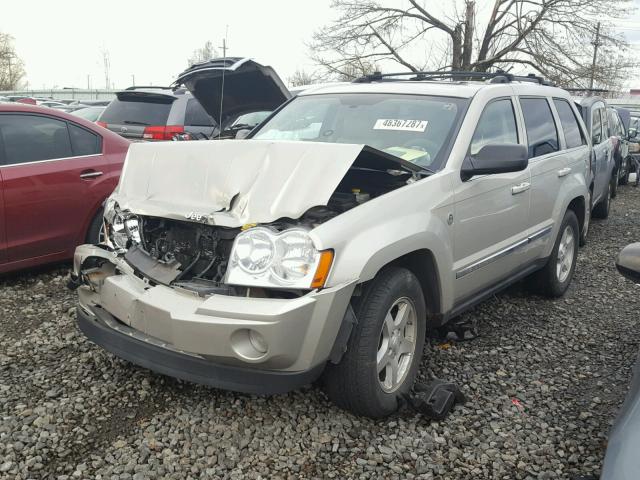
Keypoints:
pixel 434 399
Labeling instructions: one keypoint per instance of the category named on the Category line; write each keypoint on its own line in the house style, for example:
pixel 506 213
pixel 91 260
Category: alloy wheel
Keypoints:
pixel 566 250
pixel 397 344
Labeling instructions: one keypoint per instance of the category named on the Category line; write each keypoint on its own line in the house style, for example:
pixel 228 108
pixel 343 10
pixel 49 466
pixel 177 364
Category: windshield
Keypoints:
pixel 250 119
pixel 416 128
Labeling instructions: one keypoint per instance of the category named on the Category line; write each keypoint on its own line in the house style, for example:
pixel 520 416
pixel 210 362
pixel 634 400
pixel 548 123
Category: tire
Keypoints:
pixel 587 220
pixel 554 279
pixel 624 178
pixel 355 384
pixel 601 210
pixel 614 185
pixel 94 233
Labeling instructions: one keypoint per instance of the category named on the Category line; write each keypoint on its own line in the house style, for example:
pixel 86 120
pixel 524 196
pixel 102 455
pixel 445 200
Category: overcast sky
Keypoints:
pixel 61 42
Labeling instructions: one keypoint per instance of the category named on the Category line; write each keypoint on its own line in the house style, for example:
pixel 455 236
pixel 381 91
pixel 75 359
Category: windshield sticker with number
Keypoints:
pixel 400 124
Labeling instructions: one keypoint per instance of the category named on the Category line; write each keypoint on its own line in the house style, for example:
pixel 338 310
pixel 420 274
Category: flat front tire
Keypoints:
pixel 385 347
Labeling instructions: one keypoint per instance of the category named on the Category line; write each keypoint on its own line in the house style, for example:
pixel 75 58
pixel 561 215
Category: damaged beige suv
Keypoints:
pixel 353 220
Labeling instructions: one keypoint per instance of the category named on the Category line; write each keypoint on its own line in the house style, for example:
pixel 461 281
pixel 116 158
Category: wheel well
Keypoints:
pixel 577 206
pixel 422 264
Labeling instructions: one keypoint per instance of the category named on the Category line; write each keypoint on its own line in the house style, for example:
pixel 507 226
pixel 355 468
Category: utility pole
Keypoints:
pixel 595 44
pixel 224 43
pixel 133 79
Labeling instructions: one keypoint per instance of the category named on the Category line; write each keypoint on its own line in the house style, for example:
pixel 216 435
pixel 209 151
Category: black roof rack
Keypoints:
pixel 493 77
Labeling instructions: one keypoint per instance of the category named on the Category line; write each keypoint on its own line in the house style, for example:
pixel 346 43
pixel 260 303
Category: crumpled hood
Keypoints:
pixel 233 182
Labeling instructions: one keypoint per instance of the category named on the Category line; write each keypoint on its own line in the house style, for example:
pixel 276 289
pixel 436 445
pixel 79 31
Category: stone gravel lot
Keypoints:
pixel 544 382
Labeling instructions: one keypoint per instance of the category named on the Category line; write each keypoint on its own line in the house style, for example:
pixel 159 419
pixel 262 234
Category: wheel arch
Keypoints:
pixel 423 264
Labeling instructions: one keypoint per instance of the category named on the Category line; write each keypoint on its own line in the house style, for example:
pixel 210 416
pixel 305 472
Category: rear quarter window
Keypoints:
pixel 196 116
pixel 84 142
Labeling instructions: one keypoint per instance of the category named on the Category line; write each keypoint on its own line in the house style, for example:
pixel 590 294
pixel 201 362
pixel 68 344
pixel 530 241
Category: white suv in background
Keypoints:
pixel 352 221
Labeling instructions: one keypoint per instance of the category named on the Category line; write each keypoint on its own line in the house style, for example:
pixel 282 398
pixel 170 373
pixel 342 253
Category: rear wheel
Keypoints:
pixel 554 279
pixel 385 348
pixel 624 178
pixel 602 208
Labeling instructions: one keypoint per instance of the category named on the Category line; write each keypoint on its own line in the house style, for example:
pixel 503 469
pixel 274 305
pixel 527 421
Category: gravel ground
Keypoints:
pixel 544 382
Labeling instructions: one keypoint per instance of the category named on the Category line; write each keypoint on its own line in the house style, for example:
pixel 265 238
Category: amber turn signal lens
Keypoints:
pixel 322 272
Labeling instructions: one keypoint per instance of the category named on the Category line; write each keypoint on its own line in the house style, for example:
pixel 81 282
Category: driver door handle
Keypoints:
pixel 522 187
pixel 564 172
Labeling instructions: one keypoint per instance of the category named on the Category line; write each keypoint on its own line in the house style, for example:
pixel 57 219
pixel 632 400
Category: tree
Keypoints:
pixel 204 54
pixel 552 37
pixel 302 77
pixel 12 70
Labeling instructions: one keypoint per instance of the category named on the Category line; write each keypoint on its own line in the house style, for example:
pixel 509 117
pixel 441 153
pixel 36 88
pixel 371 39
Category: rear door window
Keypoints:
pixel 573 136
pixel 138 109
pixel 84 142
pixel 196 116
pixel 32 138
pixel 497 124
pixel 542 135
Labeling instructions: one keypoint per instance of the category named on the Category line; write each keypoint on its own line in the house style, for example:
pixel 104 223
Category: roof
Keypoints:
pixel 588 101
pixel 460 89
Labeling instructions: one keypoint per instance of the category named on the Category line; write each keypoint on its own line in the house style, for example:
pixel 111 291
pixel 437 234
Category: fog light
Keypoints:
pixel 257 341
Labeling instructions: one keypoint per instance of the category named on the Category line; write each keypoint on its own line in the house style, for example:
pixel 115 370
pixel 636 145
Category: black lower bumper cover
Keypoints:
pixel 186 367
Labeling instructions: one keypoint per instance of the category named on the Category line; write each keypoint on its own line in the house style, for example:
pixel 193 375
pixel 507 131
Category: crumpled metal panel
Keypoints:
pixel 231 182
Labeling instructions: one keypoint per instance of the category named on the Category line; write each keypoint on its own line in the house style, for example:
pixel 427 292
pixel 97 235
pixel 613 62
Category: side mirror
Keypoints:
pixel 496 158
pixel 633 133
pixel 628 262
pixel 243 133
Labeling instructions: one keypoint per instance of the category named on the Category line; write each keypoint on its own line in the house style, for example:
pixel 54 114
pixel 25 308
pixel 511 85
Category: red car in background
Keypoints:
pixel 56 170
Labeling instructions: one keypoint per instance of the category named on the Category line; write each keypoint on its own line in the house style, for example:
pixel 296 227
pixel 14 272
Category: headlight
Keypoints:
pixel 261 257
pixel 122 227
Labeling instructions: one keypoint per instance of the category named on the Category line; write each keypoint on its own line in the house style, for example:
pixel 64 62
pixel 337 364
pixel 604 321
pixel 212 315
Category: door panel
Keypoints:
pixel 490 221
pixel 47 204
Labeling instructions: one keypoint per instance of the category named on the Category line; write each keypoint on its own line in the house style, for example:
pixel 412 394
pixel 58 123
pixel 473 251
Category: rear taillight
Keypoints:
pixel 162 132
pixel 102 124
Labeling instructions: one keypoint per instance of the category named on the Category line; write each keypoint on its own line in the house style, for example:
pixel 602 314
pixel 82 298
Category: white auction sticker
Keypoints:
pixel 400 124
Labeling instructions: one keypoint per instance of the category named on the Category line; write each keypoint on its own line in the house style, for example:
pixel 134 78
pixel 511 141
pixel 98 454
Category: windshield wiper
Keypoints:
pixel 133 122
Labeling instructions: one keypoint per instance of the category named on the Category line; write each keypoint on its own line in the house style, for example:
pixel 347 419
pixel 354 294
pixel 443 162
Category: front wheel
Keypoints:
pixel 95 234
pixel 554 279
pixel 385 348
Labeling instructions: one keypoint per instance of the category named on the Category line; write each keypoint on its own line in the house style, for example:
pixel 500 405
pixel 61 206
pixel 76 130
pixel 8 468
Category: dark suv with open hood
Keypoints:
pixel 237 92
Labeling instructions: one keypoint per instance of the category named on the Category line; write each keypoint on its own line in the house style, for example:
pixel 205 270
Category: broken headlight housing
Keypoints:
pixel 122 228
pixel 262 257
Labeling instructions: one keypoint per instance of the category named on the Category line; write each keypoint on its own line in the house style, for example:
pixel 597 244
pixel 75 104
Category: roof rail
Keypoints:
pixel 493 77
